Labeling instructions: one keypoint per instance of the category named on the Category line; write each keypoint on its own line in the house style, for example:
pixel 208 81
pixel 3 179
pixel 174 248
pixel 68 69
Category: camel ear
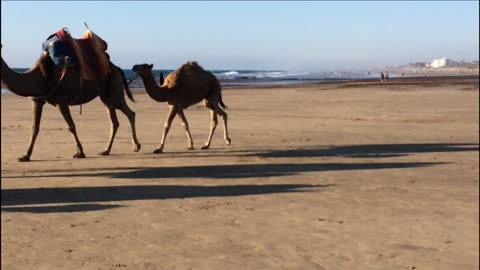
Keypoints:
pixel 161 78
pixel 150 66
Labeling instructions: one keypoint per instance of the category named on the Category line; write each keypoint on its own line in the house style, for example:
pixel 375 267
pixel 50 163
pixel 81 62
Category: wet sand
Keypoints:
pixel 357 175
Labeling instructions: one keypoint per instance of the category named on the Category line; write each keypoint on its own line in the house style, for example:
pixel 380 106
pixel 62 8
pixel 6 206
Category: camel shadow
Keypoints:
pixel 67 208
pixel 241 171
pixel 349 151
pixel 370 150
pixel 14 200
pixel 233 171
pixel 87 198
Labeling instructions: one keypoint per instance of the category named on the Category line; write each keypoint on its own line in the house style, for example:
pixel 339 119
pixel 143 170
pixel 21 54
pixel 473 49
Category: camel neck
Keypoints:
pixel 29 84
pixel 156 92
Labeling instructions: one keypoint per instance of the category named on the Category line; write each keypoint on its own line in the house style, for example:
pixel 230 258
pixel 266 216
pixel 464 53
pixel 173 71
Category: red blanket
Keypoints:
pixel 89 50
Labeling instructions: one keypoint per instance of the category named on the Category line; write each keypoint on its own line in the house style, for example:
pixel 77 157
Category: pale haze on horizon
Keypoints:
pixel 310 36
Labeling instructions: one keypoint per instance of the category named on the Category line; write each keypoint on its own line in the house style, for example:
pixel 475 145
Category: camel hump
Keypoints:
pixel 190 72
pixel 191 66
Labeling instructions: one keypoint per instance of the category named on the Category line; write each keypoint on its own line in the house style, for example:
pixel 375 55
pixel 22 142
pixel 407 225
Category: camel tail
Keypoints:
pixel 221 102
pixel 217 87
pixel 127 88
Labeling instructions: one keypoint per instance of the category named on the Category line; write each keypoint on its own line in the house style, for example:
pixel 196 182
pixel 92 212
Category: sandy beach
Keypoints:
pixel 357 175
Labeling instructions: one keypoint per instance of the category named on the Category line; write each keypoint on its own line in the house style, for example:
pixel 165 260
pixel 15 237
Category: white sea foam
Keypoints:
pixel 229 73
pixel 285 74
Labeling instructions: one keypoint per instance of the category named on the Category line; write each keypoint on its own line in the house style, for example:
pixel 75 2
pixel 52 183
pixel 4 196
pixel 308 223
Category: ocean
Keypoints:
pixel 257 77
pixel 265 77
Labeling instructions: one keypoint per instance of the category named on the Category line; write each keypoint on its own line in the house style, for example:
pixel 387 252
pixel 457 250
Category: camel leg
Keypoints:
pixel 37 106
pixel 65 111
pixel 131 118
pixel 113 130
pixel 213 125
pixel 224 115
pixel 171 114
pixel 185 126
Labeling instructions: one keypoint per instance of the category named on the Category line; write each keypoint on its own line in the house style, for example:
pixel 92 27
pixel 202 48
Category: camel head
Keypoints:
pixel 143 69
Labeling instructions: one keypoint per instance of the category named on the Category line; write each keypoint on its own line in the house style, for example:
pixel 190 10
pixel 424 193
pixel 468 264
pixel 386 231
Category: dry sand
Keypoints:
pixel 357 175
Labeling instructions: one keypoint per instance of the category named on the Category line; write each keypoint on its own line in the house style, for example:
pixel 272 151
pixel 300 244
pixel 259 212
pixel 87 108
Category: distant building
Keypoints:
pixel 418 65
pixel 443 62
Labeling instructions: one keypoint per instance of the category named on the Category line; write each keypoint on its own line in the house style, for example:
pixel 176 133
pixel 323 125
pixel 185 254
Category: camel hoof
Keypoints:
pixel 24 158
pixel 190 148
pixel 205 147
pixel 229 142
pixel 79 155
pixel 158 151
pixel 104 153
pixel 137 147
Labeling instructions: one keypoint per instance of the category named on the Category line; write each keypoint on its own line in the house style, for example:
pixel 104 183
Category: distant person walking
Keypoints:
pixel 386 76
pixel 382 77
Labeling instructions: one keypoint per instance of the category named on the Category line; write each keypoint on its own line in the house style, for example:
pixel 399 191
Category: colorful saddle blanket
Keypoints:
pixel 88 53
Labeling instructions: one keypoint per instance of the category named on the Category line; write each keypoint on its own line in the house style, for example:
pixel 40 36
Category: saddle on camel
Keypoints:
pixel 88 54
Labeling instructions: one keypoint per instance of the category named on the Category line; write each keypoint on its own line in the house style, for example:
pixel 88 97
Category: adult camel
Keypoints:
pixel 62 87
pixel 182 88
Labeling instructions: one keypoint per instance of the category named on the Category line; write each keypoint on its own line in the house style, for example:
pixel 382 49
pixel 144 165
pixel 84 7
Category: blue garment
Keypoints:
pixel 57 51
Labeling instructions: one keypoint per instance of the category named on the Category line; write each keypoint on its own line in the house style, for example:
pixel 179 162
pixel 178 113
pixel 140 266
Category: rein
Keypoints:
pixel 129 81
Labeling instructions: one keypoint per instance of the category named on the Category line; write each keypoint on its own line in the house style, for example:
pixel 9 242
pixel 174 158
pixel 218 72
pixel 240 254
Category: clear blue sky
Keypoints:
pixel 311 36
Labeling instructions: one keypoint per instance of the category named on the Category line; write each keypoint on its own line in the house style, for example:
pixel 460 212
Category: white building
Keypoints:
pixel 443 62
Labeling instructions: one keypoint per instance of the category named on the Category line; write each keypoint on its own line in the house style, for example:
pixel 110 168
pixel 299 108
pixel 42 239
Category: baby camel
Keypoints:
pixel 182 88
